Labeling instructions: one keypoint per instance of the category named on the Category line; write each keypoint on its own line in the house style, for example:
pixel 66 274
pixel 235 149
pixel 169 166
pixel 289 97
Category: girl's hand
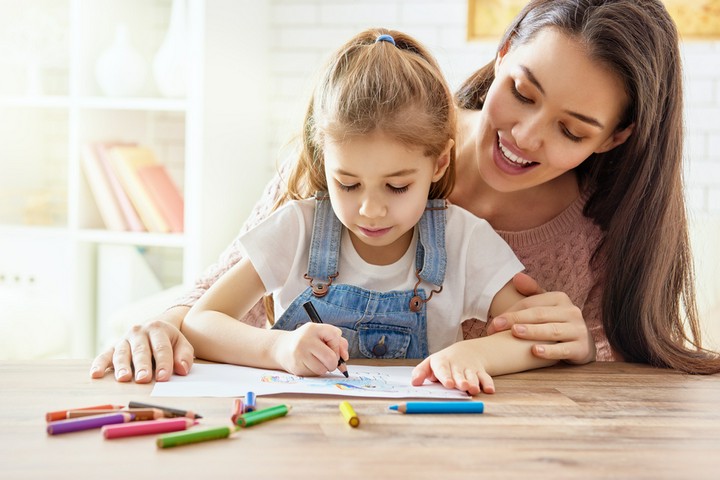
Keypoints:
pixel 547 317
pixel 460 366
pixel 312 349
pixel 159 341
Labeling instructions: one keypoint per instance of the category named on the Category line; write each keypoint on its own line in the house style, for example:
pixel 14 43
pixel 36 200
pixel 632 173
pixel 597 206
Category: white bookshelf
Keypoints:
pixel 51 233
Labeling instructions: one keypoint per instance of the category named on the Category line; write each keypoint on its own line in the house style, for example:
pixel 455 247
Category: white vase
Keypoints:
pixel 120 70
pixel 170 63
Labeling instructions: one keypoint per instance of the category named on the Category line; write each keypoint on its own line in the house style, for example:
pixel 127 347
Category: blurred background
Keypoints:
pixel 206 94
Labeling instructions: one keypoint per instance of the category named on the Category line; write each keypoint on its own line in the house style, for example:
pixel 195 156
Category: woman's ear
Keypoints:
pixel 443 161
pixel 617 138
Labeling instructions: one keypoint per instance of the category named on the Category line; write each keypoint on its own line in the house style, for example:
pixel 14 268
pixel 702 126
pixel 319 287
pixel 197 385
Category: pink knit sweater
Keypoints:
pixel 556 254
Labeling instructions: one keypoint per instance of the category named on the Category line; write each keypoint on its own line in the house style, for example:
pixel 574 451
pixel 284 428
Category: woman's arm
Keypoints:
pixel 469 365
pixel 550 320
pixel 159 339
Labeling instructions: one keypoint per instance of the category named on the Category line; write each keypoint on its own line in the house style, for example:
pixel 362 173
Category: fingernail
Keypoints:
pixel 500 322
pixel 160 373
pixel 140 374
pixel 540 349
pixel 121 373
pixel 94 370
pixel 520 329
pixel 185 366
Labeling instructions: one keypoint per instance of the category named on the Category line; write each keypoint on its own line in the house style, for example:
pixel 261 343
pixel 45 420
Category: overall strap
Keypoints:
pixel 431 256
pixel 324 245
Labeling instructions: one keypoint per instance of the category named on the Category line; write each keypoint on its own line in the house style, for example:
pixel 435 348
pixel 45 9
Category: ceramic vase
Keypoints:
pixel 170 63
pixel 120 70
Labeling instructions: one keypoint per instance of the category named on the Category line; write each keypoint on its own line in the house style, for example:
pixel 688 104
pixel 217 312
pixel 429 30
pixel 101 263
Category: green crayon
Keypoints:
pixel 258 416
pixel 193 436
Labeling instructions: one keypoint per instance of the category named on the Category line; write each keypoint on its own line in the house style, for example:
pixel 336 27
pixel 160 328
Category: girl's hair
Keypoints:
pixel 369 86
pixel 648 307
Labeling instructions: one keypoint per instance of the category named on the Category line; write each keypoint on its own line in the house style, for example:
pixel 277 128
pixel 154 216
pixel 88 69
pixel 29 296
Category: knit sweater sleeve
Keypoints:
pixel 233 253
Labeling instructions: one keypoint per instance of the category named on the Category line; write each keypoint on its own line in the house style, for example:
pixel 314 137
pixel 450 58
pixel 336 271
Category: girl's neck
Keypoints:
pixel 509 211
pixel 383 255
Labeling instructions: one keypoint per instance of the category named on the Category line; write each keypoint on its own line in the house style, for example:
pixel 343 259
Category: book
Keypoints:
pixel 126 160
pixel 110 212
pixel 132 219
pixel 165 193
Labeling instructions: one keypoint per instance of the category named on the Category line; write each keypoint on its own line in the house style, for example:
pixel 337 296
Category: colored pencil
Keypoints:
pixel 133 429
pixel 250 403
pixel 349 413
pixel 62 414
pixel 237 410
pixel 439 407
pixel 169 411
pixel 194 436
pixel 315 318
pixel 86 423
pixel 259 416
pixel 141 414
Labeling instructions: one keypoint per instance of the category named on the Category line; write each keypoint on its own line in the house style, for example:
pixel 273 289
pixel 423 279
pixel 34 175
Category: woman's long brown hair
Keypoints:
pixel 648 308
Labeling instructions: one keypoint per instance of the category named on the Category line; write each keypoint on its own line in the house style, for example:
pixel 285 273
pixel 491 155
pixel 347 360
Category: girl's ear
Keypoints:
pixel 443 161
pixel 617 138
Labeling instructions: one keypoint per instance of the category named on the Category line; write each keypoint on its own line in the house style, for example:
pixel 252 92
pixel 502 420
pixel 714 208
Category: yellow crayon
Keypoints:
pixel 349 414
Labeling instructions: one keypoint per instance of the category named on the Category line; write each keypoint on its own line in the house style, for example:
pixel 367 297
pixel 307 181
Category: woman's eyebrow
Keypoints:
pixel 583 118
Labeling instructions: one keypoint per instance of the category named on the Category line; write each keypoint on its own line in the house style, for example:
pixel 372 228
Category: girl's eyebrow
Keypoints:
pixel 399 173
pixel 583 118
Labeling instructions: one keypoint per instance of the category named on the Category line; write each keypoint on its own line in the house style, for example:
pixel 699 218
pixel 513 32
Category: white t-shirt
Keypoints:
pixel 479 264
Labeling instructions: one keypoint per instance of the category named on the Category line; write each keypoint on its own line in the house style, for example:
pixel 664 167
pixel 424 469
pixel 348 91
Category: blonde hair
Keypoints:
pixel 368 86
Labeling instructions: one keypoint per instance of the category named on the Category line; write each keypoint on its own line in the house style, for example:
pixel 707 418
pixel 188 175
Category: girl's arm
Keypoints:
pixel 213 328
pixel 469 365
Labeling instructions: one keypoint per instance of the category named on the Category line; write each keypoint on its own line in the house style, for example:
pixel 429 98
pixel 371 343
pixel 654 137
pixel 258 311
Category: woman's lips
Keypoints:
pixel 512 166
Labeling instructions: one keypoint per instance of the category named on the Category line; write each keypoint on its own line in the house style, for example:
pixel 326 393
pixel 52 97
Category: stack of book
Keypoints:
pixel 132 188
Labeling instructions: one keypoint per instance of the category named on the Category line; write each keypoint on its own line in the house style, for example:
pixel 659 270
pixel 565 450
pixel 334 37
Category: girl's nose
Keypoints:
pixel 372 206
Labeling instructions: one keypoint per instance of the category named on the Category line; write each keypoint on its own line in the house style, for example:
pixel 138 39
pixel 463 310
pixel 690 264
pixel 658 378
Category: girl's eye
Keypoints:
pixel 518 95
pixel 348 188
pixel 398 189
pixel 570 136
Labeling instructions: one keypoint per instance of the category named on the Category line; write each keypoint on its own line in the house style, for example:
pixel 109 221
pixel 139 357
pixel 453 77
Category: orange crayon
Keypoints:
pixel 62 414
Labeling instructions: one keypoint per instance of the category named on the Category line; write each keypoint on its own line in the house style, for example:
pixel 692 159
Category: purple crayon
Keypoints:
pixel 86 423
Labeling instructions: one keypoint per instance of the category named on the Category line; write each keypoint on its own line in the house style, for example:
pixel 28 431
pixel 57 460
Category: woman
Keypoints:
pixel 570 145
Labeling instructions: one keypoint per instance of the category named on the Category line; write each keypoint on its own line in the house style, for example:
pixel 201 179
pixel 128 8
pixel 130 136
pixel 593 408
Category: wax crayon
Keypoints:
pixel 259 416
pixel 86 423
pixel 169 411
pixel 62 414
pixel 349 414
pixel 194 436
pixel 315 318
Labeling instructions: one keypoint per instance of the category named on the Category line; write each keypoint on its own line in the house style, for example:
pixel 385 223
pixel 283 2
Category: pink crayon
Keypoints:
pixel 147 428
pixel 86 423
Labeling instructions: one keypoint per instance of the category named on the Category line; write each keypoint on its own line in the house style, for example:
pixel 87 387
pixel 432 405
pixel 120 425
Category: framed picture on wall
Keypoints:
pixel 695 18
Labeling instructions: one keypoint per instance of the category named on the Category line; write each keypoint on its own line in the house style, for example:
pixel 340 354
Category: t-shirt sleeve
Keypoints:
pixel 491 263
pixel 275 244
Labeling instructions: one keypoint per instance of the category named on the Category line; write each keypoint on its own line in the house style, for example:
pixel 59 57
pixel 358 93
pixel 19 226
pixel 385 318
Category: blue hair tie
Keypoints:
pixel 385 38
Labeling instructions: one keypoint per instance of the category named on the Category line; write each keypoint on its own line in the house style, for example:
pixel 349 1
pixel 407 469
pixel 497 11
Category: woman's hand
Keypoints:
pixel 547 317
pixel 312 349
pixel 159 340
pixel 460 366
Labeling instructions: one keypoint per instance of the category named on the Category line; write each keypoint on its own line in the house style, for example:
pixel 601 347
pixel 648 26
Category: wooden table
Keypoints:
pixel 601 420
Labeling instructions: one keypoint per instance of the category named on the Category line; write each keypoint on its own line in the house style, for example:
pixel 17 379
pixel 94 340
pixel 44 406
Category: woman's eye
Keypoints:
pixel 573 138
pixel 348 188
pixel 518 95
pixel 395 189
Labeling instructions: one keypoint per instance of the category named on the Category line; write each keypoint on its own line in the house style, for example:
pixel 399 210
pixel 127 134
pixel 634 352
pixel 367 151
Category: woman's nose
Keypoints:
pixel 528 134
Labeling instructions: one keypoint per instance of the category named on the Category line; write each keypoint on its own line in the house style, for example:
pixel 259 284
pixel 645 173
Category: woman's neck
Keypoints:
pixel 509 211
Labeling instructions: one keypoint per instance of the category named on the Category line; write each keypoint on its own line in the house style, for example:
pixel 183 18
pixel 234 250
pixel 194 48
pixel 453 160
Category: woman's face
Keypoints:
pixel 548 109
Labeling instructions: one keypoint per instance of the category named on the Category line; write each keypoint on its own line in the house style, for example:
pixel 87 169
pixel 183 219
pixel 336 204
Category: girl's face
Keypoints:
pixel 548 109
pixel 379 188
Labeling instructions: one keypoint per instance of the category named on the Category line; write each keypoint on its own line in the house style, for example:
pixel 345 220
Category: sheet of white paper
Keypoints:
pixel 221 380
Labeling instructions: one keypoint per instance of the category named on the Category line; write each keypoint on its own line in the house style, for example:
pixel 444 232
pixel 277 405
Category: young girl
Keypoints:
pixel 370 251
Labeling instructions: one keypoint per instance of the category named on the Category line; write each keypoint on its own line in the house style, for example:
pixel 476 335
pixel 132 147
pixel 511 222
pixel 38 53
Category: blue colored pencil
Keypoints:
pixel 249 405
pixel 439 407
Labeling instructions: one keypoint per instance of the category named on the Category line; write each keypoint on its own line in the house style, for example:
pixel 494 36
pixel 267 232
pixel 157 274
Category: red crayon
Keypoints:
pixel 237 410
pixel 62 414
pixel 147 428
pixel 86 423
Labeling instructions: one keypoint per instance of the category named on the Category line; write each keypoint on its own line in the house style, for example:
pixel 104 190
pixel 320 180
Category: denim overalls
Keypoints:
pixel 376 324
